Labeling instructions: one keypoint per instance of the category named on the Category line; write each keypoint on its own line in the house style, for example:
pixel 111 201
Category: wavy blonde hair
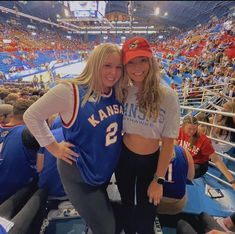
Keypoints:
pixel 149 97
pixel 91 77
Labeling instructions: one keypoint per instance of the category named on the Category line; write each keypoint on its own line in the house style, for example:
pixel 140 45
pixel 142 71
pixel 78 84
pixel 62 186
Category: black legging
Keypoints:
pixel 134 174
pixel 25 217
pixel 10 207
pixel 91 202
pixel 200 169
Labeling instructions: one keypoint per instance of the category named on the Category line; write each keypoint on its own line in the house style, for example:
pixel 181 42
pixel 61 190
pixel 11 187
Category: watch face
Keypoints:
pixel 160 181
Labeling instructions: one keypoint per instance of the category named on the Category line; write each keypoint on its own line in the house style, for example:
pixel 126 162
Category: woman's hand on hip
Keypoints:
pixel 62 151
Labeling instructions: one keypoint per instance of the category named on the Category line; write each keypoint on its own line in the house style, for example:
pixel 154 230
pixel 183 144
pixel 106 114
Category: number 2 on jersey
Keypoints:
pixel 111 134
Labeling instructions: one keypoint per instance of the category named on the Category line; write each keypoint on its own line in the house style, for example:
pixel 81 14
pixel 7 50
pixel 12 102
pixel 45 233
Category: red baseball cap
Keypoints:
pixel 136 47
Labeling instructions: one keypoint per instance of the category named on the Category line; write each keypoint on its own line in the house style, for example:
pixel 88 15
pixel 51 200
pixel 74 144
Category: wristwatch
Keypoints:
pixel 158 179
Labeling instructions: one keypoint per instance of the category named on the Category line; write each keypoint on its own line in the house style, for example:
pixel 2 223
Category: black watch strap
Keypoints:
pixel 158 179
pixel 232 181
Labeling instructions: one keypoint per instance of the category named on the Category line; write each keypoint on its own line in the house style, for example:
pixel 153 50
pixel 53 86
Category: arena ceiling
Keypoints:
pixel 181 14
pixel 172 14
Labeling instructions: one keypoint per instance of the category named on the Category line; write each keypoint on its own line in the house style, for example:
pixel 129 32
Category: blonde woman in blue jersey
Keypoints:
pixel 151 113
pixel 91 112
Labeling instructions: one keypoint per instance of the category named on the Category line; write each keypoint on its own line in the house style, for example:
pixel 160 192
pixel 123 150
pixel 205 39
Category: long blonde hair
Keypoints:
pixel 149 97
pixel 90 76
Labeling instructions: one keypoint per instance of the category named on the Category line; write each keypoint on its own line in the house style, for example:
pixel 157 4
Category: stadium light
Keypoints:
pixel 157 11
pixel 66 13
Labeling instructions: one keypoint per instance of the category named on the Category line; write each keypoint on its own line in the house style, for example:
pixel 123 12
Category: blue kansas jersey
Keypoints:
pixel 17 163
pixel 96 133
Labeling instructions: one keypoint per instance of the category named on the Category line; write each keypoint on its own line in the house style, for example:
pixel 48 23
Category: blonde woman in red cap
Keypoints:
pixel 151 113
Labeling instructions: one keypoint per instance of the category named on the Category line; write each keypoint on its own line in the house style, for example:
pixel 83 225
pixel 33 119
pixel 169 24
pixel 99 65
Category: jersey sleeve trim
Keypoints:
pixel 75 108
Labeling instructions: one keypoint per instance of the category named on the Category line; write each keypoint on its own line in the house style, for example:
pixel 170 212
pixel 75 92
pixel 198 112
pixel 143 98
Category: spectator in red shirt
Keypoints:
pixel 201 149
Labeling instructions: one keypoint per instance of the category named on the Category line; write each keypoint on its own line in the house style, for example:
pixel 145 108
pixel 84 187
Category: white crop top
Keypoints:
pixel 168 121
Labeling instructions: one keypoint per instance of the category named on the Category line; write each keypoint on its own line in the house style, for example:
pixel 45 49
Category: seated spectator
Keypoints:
pixel 231 91
pixel 207 224
pixel 35 82
pixel 225 121
pixel 201 149
pixel 2 76
pixel 6 111
pixel 18 153
pixel 34 98
pixel 41 82
pixel 179 170
pixel 11 98
pixel 173 85
pixel 201 127
pixel 3 94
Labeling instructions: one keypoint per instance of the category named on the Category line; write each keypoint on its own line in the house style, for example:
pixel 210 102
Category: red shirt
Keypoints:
pixel 201 150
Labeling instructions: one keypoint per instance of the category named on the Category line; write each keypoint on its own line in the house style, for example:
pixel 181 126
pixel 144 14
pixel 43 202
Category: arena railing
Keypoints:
pixel 205 92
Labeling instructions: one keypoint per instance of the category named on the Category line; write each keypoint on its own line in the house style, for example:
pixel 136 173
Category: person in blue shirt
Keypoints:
pixel 91 111
pixel 18 152
pixel 179 172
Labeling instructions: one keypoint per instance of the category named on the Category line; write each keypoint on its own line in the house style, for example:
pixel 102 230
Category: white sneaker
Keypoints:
pixel 157 226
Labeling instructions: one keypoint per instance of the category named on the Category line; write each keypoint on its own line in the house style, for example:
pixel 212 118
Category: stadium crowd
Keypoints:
pixel 197 59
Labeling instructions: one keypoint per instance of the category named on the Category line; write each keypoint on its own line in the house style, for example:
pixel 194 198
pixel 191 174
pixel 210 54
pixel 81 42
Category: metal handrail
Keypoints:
pixel 217 178
pixel 217 126
pixel 225 155
pixel 213 164
pixel 222 141
pixel 208 111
